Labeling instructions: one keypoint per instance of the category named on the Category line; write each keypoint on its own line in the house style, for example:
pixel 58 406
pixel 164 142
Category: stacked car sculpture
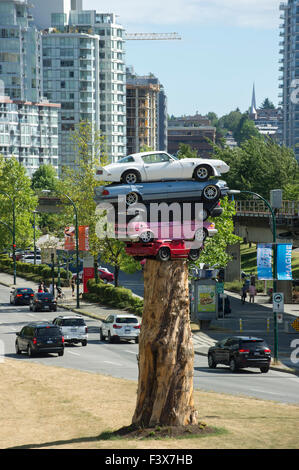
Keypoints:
pixel 143 184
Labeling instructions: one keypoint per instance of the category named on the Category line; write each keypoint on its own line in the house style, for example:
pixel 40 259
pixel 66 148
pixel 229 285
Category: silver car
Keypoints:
pixel 122 326
pixel 73 328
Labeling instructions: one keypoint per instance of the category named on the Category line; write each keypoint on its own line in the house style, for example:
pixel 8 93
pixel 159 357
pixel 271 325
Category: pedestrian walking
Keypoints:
pixel 40 288
pixel 244 293
pixel 46 288
pixel 73 287
pixel 252 293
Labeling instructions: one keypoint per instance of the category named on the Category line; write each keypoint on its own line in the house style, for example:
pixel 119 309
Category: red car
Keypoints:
pixel 162 250
pixel 105 275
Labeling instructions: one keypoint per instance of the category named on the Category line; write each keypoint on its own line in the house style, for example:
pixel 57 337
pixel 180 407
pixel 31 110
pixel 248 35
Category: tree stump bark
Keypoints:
pixel 166 354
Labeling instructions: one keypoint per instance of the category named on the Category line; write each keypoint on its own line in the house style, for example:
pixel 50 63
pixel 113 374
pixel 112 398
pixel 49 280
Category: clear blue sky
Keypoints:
pixel 226 46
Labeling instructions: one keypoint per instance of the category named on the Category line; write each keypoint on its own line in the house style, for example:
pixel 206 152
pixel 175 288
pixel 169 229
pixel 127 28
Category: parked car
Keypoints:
pixel 239 352
pixel 73 327
pixel 169 191
pixel 30 259
pixel 157 165
pixel 105 274
pixel 21 296
pixel 162 250
pixel 43 301
pixel 120 326
pixel 40 337
pixel 147 232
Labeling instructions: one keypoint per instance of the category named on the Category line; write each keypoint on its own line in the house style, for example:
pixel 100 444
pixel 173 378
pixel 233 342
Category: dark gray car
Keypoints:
pixel 40 337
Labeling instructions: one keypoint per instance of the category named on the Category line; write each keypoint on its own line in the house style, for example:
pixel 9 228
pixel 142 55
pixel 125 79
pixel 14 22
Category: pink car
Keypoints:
pixel 147 232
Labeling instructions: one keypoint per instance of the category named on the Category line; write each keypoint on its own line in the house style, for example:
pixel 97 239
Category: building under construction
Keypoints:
pixel 146 113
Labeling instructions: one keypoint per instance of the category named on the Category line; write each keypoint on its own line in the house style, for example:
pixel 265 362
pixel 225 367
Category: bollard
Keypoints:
pixel 241 325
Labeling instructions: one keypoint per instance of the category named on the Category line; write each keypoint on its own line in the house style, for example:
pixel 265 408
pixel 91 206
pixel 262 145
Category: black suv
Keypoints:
pixel 21 296
pixel 42 301
pixel 40 337
pixel 239 352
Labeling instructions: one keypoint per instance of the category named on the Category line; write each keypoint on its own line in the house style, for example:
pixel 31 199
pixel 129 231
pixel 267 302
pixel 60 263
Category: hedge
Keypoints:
pixel 117 297
pixel 35 273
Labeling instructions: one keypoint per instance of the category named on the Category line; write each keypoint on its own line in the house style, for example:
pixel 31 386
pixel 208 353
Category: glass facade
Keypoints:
pixel 20 52
pixel 71 78
pixel 29 132
pixel 289 78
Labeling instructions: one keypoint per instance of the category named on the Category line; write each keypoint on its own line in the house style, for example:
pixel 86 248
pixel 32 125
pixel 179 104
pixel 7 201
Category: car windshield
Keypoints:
pixel 24 291
pixel 126 320
pixel 48 331
pixel 128 159
pixel 73 322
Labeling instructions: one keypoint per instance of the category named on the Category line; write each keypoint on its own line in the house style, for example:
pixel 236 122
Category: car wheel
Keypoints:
pixel 211 361
pixel 29 351
pixel 137 340
pixel 84 343
pixel 202 172
pixel 232 365
pixel 110 339
pixel 61 353
pixel 147 237
pixel 194 255
pixel 210 192
pixel 18 351
pixel 131 199
pixel 265 369
pixel 130 177
pixel 164 254
pixel 201 234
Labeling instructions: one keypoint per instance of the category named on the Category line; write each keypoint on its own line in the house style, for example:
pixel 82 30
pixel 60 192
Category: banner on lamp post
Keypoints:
pixel 284 262
pixel 264 261
pixel 70 238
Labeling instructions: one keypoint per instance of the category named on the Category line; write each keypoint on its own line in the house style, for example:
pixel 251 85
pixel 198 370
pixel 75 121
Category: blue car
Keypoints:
pixel 168 191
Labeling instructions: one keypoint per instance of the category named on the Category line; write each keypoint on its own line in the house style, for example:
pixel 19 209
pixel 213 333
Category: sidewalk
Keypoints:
pixel 254 321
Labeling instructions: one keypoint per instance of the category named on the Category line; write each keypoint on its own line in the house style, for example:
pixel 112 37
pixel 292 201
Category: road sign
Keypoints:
pixel 295 324
pixel 278 302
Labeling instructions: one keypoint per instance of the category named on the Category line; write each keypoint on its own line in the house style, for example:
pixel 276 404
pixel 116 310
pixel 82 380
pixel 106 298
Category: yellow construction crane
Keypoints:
pixel 151 36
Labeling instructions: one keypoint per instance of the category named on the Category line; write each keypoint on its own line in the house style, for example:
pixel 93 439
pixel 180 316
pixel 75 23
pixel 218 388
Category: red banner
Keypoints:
pixel 70 238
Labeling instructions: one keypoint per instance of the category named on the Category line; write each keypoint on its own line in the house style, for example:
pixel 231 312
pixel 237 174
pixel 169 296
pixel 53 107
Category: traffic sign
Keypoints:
pixel 295 324
pixel 278 302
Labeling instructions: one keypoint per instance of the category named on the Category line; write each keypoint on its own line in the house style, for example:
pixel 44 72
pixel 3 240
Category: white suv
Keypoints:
pixel 73 328
pixel 122 326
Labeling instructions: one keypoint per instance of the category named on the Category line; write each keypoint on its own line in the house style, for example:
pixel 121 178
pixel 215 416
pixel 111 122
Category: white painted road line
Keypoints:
pixel 75 354
pixel 113 363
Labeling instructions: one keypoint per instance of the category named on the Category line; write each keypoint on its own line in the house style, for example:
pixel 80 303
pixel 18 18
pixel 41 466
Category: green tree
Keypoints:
pixel 15 182
pixel 185 151
pixel 230 122
pixel 245 130
pixel 79 183
pixel 45 177
pixel 113 252
pixel 259 165
pixel 267 104
pixel 214 252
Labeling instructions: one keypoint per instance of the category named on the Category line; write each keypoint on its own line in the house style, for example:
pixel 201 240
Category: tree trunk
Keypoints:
pixel 165 387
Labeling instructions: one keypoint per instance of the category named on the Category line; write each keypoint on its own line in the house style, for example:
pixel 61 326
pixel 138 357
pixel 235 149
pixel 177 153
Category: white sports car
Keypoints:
pixel 159 166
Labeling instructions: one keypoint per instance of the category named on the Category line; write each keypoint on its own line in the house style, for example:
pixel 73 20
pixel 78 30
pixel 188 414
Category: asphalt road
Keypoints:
pixel 119 359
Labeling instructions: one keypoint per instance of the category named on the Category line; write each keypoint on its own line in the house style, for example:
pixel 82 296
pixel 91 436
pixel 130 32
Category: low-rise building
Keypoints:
pixel 195 131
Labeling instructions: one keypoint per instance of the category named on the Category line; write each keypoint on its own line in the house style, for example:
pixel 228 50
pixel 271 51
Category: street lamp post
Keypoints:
pixel 34 235
pixel 13 236
pixel 236 191
pixel 46 191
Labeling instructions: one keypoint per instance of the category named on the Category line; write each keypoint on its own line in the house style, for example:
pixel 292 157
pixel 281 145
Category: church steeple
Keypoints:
pixel 253 111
